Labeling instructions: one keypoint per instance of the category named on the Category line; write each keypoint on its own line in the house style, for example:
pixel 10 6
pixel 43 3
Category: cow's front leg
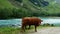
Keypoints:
pixel 35 28
pixel 29 26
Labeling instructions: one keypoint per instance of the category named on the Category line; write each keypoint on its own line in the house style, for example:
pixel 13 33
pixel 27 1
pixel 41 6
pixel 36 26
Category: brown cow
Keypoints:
pixel 30 21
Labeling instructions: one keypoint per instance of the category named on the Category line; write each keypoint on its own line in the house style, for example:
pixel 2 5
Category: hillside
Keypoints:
pixel 34 5
pixel 49 7
pixel 24 8
pixel 25 4
pixel 5 3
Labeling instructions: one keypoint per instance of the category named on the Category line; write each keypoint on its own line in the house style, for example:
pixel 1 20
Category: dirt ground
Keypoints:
pixel 50 30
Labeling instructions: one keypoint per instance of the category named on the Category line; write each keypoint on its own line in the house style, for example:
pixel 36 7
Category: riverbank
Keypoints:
pixel 12 30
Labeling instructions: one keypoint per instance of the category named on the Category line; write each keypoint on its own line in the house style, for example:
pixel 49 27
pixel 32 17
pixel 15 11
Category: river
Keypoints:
pixel 17 22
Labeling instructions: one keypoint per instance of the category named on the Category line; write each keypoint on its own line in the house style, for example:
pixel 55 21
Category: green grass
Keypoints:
pixel 11 30
pixel 5 3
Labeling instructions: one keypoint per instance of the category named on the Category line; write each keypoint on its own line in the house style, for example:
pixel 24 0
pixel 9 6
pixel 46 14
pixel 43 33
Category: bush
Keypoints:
pixel 5 13
pixel 46 24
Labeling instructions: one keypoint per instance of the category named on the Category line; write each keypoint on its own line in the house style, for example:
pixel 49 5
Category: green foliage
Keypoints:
pixel 6 13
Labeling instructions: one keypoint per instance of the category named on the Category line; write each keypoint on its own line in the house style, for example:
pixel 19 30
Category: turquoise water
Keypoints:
pixel 17 22
pixel 51 20
pixel 11 22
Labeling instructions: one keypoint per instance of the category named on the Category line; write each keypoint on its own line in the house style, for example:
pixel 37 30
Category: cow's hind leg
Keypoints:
pixel 25 27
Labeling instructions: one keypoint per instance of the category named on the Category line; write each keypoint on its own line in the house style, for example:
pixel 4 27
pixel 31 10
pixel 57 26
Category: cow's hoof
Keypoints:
pixel 35 31
pixel 28 28
pixel 22 31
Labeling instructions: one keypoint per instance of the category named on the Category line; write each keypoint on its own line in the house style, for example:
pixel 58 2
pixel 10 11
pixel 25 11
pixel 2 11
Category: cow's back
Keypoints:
pixel 31 21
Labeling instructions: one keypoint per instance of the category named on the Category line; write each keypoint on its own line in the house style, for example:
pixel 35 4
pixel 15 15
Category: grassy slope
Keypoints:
pixel 5 3
pixel 29 5
pixel 52 8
